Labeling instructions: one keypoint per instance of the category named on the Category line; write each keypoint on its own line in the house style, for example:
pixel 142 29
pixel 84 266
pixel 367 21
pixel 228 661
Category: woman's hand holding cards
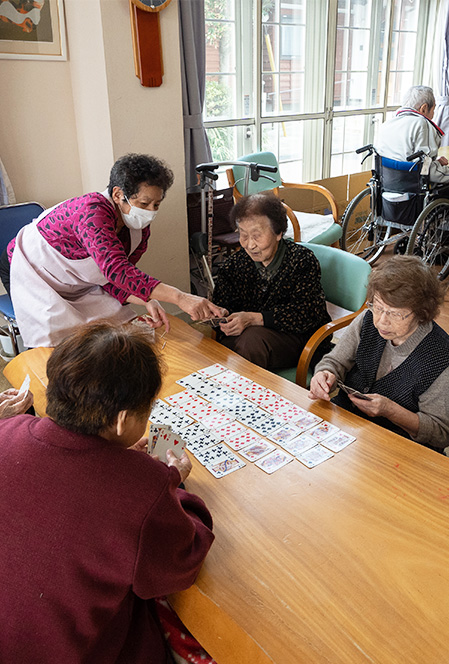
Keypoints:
pixel 183 464
pixel 13 403
pixel 321 385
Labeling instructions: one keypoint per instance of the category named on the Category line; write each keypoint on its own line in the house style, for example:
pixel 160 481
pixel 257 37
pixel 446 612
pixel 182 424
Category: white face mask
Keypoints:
pixel 137 218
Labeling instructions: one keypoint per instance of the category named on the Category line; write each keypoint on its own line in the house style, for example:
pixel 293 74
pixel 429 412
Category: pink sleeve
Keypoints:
pixel 96 231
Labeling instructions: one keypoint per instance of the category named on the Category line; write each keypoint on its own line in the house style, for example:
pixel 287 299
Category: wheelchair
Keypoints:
pixel 400 207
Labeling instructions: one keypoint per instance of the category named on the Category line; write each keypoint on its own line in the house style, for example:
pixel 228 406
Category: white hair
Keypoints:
pixel 418 95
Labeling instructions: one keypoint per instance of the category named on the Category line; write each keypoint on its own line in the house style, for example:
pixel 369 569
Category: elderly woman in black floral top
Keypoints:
pixel 271 289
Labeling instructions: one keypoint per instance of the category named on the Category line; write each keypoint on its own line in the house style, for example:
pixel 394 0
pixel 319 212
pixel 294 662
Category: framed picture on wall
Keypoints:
pixel 32 30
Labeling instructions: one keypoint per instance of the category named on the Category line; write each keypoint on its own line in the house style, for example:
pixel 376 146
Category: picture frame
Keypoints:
pixel 32 30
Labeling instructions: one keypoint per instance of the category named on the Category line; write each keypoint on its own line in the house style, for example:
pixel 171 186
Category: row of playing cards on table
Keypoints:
pixel 221 412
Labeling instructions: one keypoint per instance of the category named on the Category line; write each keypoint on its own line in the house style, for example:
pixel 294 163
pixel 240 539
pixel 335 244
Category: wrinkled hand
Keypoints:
pixel 377 406
pixel 157 315
pixel 239 321
pixel 443 161
pixel 11 404
pixel 199 308
pixel 140 446
pixel 322 383
pixel 183 464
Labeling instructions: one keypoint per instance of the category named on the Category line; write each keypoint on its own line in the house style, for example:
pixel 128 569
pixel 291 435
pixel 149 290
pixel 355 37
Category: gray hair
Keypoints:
pixel 418 95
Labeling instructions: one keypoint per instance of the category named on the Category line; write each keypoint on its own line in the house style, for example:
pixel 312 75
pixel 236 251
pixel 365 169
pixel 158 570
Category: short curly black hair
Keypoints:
pixel 131 170
pixel 261 205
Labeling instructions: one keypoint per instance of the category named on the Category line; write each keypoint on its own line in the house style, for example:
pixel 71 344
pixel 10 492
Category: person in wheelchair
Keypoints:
pixel 412 130
pixel 271 288
pixel 395 356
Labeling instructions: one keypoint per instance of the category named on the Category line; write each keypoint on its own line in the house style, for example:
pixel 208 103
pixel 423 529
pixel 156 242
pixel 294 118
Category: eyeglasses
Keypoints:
pixel 393 315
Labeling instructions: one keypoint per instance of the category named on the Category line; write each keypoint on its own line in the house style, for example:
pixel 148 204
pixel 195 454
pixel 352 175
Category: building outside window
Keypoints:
pixel 310 80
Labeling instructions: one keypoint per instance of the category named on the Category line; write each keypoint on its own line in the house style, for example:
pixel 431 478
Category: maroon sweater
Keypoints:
pixel 89 533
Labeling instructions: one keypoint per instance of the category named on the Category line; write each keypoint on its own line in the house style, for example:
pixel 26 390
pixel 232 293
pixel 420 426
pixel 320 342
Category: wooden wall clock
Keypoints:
pixel 147 45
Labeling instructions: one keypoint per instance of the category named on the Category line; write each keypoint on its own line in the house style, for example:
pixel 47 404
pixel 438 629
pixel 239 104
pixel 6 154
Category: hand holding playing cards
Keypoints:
pixel 322 383
pixel 12 403
pixel 157 315
pixel 239 321
pixel 183 464
pixel 377 406
pixel 140 446
pixel 199 308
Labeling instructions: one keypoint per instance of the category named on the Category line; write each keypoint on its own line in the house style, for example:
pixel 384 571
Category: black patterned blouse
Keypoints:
pixel 291 301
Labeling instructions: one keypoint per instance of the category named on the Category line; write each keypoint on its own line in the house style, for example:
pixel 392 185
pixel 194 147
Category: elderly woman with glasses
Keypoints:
pixel 395 355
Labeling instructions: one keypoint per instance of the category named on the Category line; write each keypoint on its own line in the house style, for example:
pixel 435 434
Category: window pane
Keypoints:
pixel 359 66
pixel 299 146
pixel 349 134
pixel 293 53
pixel 220 97
pixel 403 46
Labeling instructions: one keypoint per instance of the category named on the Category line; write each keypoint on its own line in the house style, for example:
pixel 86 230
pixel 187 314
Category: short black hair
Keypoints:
pixel 98 371
pixel 261 205
pixel 130 171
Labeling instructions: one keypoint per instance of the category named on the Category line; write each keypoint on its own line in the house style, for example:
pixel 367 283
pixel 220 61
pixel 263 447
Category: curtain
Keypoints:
pixel 441 70
pixel 193 77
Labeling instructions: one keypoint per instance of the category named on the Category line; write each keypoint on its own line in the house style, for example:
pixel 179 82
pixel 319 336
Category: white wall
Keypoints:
pixel 64 123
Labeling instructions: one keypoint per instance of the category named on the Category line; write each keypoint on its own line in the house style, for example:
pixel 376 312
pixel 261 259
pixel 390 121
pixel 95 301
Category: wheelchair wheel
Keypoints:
pixel 429 238
pixel 362 235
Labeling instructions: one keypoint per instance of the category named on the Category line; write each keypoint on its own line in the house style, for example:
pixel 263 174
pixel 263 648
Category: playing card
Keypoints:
pixel 212 454
pixel 285 433
pixel 291 412
pixel 242 407
pixel 298 445
pixel 168 440
pixel 266 426
pixel 226 377
pixel 223 467
pixel 181 399
pixel 238 384
pixel 314 456
pixel 211 370
pixel 278 406
pixel 322 431
pixel 25 386
pixel 252 391
pixel 253 416
pixel 274 461
pixel 169 416
pixel 227 399
pixel 216 419
pixel 257 450
pixel 305 420
pixel 198 438
pixel 338 441
pixel 192 381
pixel 209 390
pixel 236 435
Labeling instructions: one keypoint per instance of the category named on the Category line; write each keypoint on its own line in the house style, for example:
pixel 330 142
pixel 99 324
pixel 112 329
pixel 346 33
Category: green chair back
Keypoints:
pixel 344 276
pixel 266 158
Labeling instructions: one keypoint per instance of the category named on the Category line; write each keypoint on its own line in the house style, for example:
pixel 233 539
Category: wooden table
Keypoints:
pixel 344 563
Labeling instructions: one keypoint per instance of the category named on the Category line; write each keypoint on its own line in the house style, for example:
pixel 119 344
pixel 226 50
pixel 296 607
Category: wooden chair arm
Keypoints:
pixel 315 340
pixel 320 189
pixel 296 228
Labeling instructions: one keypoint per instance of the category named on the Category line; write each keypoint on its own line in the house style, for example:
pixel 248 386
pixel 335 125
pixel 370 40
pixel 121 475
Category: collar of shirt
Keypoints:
pixel 268 272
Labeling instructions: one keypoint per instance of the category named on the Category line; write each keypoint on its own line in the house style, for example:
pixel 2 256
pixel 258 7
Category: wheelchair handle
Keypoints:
pixel 369 147
pixel 206 167
pixel 269 169
pixel 416 155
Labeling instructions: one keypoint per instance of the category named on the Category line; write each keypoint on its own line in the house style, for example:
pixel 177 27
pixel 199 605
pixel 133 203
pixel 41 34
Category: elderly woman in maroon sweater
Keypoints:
pixel 92 531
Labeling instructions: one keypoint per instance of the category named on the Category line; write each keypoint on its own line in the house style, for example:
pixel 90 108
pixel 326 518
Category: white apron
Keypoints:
pixel 52 294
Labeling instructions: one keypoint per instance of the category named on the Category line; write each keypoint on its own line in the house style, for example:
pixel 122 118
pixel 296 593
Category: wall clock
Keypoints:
pixel 147 45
